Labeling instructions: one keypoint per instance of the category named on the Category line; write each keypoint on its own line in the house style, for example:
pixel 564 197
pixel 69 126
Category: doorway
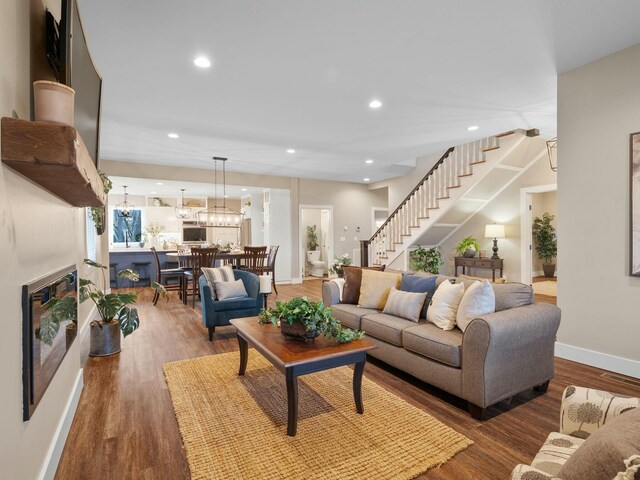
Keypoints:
pixel 316 230
pixel 535 202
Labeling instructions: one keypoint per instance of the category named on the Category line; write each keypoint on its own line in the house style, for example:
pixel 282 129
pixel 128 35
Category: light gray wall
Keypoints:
pixel 598 107
pixel 541 203
pixel 504 209
pixel 39 234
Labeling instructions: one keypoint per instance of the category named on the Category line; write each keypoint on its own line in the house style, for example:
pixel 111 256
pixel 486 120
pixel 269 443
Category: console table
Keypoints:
pixel 488 263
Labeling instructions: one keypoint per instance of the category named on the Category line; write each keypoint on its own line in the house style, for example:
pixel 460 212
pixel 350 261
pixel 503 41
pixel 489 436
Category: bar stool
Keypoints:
pixel 113 275
pixel 143 272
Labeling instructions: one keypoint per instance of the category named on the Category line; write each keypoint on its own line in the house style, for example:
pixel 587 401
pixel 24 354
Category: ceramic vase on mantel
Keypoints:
pixel 53 102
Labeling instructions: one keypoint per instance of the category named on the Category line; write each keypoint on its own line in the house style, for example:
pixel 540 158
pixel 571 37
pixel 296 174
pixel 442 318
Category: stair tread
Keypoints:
pixel 466 175
pixel 477 163
pixel 505 134
pixel 490 148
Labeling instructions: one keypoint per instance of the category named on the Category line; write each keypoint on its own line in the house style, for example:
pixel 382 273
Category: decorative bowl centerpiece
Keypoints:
pixel 468 247
pixel 302 319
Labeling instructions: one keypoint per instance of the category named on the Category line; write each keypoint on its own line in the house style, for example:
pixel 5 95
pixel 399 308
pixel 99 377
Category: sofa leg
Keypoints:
pixel 212 330
pixel 477 412
pixel 543 387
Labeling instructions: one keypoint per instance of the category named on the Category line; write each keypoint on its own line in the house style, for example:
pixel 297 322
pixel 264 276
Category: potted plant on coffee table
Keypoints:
pixel 546 243
pixel 468 247
pixel 302 319
pixel 113 308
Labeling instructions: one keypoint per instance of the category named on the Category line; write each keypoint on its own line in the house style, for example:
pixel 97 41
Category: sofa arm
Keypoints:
pixel 506 352
pixel 584 410
pixel 330 293
pixel 526 472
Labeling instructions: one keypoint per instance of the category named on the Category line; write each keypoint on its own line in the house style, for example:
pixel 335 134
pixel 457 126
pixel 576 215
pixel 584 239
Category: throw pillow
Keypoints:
pixel 444 306
pixel 375 288
pixel 603 453
pixel 353 279
pixel 220 274
pixel 405 304
pixel 420 284
pixel 230 290
pixel 477 300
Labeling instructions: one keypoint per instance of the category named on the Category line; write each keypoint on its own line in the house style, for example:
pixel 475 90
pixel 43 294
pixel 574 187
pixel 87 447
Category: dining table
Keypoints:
pixel 234 257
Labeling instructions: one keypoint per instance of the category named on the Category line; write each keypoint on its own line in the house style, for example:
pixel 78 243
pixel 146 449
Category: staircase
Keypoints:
pixel 464 179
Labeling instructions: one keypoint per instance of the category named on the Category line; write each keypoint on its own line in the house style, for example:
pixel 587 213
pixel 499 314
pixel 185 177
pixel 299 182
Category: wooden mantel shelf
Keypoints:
pixel 55 157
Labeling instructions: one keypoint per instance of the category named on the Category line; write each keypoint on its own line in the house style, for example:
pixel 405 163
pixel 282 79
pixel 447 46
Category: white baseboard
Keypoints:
pixel 52 459
pixel 295 281
pixel 605 361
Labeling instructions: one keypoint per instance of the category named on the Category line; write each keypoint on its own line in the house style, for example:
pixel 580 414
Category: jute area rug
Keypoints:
pixel 236 427
pixel 546 287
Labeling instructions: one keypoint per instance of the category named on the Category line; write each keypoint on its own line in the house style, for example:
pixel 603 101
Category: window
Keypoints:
pixel 91 236
pixel 127 229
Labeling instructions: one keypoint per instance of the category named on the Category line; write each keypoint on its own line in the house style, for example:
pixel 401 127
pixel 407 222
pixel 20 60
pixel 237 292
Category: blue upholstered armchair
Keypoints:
pixel 217 313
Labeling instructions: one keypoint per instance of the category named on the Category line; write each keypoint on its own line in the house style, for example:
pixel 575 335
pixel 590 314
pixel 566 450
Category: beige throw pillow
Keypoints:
pixel 479 299
pixel 375 288
pixel 444 306
pixel 405 304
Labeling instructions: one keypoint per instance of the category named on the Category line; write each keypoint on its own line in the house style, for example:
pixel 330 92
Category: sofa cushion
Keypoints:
pixel 555 451
pixel 220 274
pixel 430 341
pixel 386 327
pixel 478 299
pixel 419 283
pixel 439 278
pixel 375 288
pixel 352 281
pixel 512 295
pixel 602 455
pixel 405 304
pixel 444 306
pixel 471 278
pixel 230 290
pixel 234 304
pixel 350 315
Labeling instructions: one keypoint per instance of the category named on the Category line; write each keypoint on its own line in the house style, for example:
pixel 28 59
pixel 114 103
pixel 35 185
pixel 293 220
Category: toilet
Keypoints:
pixel 317 267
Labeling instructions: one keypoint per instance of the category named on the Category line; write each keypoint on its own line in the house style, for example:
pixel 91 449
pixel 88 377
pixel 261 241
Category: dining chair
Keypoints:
pixel 167 277
pixel 254 259
pixel 270 267
pixel 200 258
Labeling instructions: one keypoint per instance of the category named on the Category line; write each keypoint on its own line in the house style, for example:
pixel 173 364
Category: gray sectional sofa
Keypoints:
pixel 498 355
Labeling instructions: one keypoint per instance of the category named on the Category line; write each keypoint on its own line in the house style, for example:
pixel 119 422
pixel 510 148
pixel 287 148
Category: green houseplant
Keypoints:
pixel 338 264
pixel 304 319
pixel 98 214
pixel 468 247
pixel 113 308
pixel 546 242
pixel 312 238
pixel 423 260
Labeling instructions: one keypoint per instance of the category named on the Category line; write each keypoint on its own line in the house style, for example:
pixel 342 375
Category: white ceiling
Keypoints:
pixel 150 188
pixel 300 74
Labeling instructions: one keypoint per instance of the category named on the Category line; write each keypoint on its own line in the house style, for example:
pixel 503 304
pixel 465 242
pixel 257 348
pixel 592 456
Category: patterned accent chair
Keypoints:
pixel 218 313
pixel 583 411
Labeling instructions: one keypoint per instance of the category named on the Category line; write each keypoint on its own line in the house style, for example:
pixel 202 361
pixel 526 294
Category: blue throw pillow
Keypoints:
pixel 420 284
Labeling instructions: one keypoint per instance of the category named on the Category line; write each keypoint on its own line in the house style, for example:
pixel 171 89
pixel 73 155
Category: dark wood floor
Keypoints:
pixel 125 427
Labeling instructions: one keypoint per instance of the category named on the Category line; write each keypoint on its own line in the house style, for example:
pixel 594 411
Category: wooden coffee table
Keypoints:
pixel 294 358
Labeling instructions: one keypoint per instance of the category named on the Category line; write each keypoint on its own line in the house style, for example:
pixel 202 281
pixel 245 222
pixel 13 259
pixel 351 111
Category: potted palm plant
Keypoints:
pixel 302 319
pixel 546 243
pixel 312 238
pixel 116 314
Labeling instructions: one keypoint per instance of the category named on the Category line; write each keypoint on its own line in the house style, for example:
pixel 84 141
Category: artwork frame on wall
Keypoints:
pixel 634 193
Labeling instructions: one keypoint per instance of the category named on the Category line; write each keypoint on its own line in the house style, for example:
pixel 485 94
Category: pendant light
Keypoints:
pixel 219 216
pixel 552 153
pixel 182 211
pixel 125 208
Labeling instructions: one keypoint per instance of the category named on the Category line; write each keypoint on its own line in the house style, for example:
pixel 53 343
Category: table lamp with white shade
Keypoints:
pixel 494 231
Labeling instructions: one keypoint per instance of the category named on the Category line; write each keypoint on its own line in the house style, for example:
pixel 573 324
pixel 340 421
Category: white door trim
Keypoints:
pixel 302 243
pixel 526 244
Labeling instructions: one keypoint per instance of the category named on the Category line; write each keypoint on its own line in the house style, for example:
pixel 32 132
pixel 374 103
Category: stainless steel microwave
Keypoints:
pixel 193 233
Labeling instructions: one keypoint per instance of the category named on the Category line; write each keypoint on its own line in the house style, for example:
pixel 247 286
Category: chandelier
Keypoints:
pixel 219 215
pixel 124 208
pixel 552 152
pixel 182 211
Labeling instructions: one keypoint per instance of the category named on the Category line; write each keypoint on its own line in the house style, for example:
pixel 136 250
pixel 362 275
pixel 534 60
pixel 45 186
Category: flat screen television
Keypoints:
pixel 78 70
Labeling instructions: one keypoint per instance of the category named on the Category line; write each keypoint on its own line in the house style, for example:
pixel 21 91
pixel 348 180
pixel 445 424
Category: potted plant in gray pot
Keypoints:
pixel 468 247
pixel 544 235
pixel 116 314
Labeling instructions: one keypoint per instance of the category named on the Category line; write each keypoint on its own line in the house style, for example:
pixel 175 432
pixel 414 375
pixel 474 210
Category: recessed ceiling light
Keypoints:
pixel 202 62
pixel 366 179
pixel 153 193
pixel 291 150
pixel 243 189
pixel 159 183
pixel 226 196
pixel 473 127
pixel 173 135
pixel 368 161
pixel 375 103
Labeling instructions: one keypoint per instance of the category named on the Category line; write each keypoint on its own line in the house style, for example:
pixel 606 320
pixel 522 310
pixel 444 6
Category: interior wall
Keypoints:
pixel 504 209
pixel 310 217
pixel 597 111
pixel 39 234
pixel 541 203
